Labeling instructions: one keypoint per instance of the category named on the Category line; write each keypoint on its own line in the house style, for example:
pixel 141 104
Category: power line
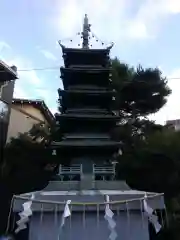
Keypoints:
pixel 57 67
pixel 38 69
pixel 34 69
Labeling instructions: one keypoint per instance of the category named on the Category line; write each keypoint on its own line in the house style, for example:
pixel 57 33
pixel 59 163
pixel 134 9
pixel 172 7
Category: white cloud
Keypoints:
pixel 116 17
pixel 3 46
pixel 43 94
pixel 138 30
pixel 174 74
pixel 104 16
pixel 49 96
pixel 28 81
pixel 29 84
pixel 31 77
pixel 171 110
pixel 173 6
pixel 25 71
pixel 151 15
pixel 48 55
pixel 19 92
pixel 54 110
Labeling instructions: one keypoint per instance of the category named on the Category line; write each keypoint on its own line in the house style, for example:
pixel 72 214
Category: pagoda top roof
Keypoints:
pixel 78 56
pixel 85 50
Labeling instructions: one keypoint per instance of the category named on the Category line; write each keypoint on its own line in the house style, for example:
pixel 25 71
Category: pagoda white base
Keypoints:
pixel 88 227
pixel 87 213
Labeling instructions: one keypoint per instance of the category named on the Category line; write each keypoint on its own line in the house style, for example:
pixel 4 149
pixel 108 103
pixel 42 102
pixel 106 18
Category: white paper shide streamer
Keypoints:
pixel 152 217
pixel 66 212
pixel 109 217
pixel 24 216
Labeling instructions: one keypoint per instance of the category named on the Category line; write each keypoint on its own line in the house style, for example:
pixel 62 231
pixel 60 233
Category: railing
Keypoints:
pixel 75 172
pixel 99 169
pixel 101 172
pixel 73 169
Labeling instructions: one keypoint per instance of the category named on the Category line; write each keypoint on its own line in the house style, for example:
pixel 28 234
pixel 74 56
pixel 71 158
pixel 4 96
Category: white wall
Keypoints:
pixel 19 123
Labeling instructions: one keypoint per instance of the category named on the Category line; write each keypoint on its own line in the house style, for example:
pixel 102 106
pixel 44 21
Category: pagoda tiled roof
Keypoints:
pixel 88 116
pixel 86 143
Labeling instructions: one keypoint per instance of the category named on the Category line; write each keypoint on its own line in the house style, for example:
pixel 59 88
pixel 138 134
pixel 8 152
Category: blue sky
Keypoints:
pixel 144 31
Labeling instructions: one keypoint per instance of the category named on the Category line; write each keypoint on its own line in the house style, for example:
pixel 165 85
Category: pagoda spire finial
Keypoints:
pixel 85 33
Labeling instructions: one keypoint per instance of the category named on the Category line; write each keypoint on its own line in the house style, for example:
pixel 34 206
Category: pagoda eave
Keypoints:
pixel 86 110
pixel 86 144
pixel 85 77
pixel 95 70
pixel 69 83
pixel 90 87
pixel 84 92
pixel 88 116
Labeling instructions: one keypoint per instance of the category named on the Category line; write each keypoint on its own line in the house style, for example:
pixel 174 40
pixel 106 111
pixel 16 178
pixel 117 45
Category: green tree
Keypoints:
pixel 140 91
pixel 153 164
pixel 151 152
pixel 28 166
pixel 26 155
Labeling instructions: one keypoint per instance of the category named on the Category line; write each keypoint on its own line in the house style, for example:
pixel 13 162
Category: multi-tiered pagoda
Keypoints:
pixel 84 142
pixel 86 117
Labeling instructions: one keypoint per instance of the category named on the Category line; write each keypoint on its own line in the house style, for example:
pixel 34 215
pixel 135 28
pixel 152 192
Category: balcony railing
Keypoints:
pixel 70 173
pixel 101 172
pixel 100 169
pixel 75 172
pixel 73 169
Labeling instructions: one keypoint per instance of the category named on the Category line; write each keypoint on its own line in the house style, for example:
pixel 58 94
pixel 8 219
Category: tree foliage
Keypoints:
pixel 26 160
pixel 151 152
pixel 28 167
pixel 140 91
pixel 153 164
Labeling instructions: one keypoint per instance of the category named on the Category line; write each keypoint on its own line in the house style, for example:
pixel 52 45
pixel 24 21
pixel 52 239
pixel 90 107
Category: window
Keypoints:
pixel 3 111
pixel 2 87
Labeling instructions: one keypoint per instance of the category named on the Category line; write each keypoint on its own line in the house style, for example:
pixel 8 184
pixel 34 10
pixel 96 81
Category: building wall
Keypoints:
pixel 88 226
pixel 21 122
pixel 6 95
pixel 31 110
pixel 4 118
pixel 175 124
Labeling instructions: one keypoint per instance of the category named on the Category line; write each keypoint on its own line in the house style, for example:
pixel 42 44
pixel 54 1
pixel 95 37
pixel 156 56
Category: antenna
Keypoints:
pixel 85 33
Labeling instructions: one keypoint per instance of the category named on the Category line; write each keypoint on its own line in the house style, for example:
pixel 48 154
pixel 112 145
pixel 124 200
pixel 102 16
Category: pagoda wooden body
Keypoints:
pixel 86 118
